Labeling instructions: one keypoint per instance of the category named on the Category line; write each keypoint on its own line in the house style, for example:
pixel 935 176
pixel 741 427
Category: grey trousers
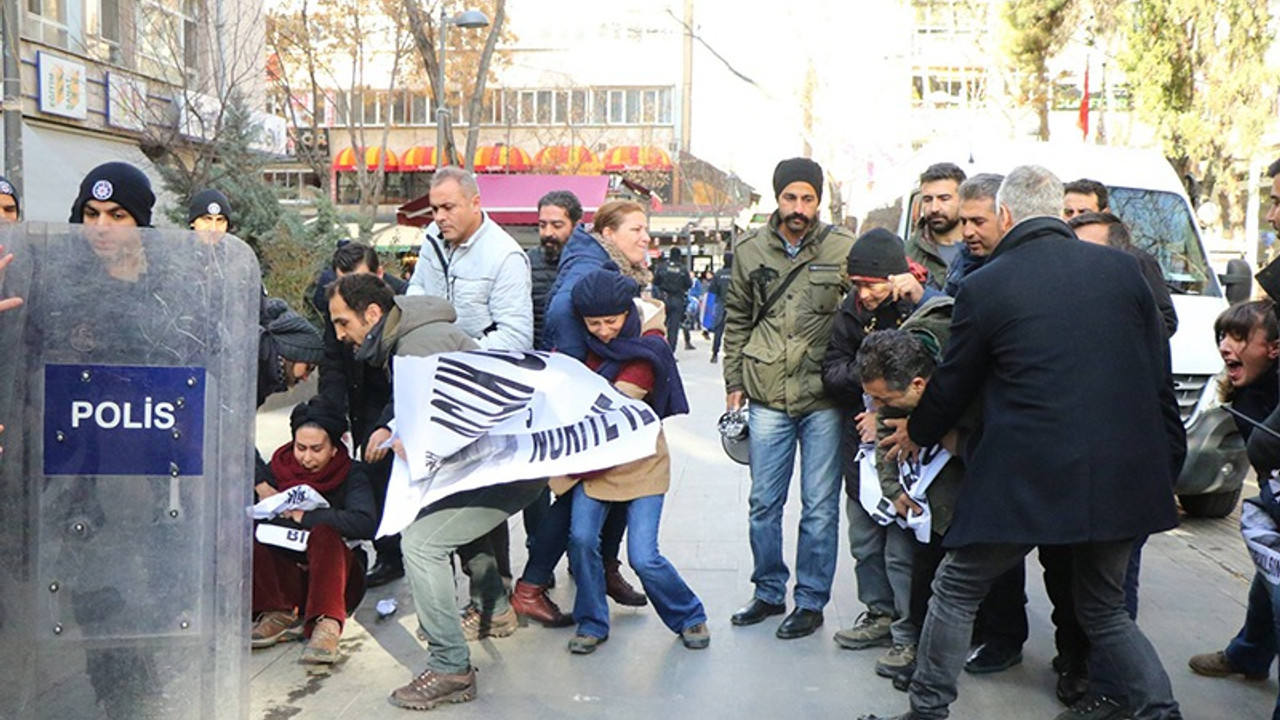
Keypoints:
pixel 440 530
pixel 1098 571
pixel 882 566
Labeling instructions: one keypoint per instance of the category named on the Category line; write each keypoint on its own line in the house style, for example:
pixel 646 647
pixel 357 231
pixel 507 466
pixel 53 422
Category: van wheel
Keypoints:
pixel 1213 505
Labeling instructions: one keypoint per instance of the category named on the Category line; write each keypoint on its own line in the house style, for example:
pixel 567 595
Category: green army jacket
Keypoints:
pixel 778 362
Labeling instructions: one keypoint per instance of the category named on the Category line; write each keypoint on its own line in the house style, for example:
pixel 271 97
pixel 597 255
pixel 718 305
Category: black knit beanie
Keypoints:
pixel 877 255
pixel 797 170
pixel 7 188
pixel 209 202
pixel 319 411
pixel 603 292
pixel 296 340
pixel 120 183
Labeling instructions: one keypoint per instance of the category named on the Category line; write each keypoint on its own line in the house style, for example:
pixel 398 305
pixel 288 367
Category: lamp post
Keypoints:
pixel 467 19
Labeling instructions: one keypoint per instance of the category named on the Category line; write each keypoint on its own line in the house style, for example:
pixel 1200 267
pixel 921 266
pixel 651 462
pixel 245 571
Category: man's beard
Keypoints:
pixel 942 223
pixel 551 247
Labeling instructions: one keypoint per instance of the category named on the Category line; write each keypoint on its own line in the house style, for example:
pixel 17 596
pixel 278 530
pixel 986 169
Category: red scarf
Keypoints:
pixel 288 472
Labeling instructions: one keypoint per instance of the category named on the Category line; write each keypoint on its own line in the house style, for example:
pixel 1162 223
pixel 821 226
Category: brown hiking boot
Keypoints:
pixel 531 601
pixel 619 589
pixel 1216 664
pixel 477 627
pixel 432 688
pixel 275 626
pixel 323 646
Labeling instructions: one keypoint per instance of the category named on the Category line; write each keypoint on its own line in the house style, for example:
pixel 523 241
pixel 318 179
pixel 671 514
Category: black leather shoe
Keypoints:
pixel 799 623
pixel 990 658
pixel 756 611
pixel 1073 680
pixel 902 681
pixel 382 573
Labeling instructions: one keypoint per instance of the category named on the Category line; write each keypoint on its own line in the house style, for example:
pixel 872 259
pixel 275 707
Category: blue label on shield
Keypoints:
pixel 123 420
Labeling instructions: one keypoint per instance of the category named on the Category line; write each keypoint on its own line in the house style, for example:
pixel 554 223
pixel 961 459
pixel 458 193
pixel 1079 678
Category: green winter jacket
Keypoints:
pixel 778 363
pixel 931 322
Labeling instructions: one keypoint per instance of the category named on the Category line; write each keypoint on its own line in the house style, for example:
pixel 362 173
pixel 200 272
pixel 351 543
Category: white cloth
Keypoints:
pixel 1261 535
pixel 487 280
pixel 281 536
pixel 915 478
pixel 299 497
pixel 473 419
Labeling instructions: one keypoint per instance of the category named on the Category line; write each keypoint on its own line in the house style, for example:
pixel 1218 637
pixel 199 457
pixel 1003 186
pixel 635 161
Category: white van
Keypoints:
pixel 1147 195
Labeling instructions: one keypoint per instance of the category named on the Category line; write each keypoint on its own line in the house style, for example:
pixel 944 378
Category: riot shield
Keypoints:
pixel 126 385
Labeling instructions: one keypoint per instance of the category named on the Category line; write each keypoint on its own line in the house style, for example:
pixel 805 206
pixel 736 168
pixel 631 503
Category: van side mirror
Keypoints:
pixel 1237 281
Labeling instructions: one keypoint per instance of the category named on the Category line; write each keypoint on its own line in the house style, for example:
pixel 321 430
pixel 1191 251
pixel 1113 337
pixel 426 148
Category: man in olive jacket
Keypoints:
pixel 787 283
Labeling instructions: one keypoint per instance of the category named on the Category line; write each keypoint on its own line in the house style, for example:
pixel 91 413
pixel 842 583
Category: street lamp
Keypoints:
pixel 468 19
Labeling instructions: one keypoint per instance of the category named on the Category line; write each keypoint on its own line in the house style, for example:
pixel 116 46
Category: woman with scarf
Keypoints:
pixel 626 345
pixel 326 580
pixel 619 239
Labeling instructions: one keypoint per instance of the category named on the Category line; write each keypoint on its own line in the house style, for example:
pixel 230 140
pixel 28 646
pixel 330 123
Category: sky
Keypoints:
pixel 747 101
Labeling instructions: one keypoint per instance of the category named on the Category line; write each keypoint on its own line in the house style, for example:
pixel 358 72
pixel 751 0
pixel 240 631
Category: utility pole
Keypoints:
pixel 12 94
pixel 686 104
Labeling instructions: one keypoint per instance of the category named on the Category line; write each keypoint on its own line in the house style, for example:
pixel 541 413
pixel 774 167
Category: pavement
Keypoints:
pixel 1193 588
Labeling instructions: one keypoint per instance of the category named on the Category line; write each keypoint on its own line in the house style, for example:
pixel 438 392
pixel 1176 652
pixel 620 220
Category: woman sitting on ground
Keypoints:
pixel 625 344
pixel 326 580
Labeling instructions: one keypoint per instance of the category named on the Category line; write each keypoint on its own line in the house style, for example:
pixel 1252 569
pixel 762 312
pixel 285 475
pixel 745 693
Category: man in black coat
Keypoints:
pixel 362 392
pixel 674 282
pixel 1080 442
pixel 720 288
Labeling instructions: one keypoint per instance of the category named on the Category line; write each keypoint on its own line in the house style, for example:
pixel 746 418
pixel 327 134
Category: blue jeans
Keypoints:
pixel 774 435
pixel 1098 571
pixel 552 540
pixel 1254 647
pixel 675 603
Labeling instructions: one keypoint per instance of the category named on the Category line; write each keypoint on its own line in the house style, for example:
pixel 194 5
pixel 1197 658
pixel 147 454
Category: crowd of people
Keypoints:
pixel 936 380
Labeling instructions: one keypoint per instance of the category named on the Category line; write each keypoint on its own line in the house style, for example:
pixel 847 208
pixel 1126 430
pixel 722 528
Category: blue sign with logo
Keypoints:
pixel 123 420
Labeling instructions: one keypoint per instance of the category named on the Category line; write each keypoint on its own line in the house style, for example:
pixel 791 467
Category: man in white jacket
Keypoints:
pixel 474 264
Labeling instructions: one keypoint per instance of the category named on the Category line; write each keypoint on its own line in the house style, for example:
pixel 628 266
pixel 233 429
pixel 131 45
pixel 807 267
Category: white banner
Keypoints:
pixel 915 478
pixel 474 419
pixel 1261 536
pixel 299 497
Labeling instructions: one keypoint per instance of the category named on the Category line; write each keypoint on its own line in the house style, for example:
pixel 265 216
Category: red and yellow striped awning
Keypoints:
pixel 636 157
pixel 346 160
pixel 502 158
pixel 419 158
pixel 567 160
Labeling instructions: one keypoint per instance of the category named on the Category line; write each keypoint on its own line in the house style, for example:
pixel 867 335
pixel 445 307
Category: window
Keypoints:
pixel 167 47
pixel 543 116
pixel 47 21
pixel 599 107
pixel 649 107
pixel 102 30
pixel 400 107
pixel 578 107
pixel 562 108
pixel 939 86
pixel 528 103
pixel 664 107
pixel 617 99
pixel 418 113
pixel 369 101
pixel 633 107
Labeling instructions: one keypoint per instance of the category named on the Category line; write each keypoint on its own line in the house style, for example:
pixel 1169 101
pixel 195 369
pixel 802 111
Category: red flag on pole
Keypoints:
pixel 1083 121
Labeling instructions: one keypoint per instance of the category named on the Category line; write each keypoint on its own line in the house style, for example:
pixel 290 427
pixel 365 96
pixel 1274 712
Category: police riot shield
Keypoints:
pixel 126 392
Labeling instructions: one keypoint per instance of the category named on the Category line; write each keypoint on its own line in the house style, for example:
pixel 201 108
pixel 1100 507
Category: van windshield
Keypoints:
pixel 1161 224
